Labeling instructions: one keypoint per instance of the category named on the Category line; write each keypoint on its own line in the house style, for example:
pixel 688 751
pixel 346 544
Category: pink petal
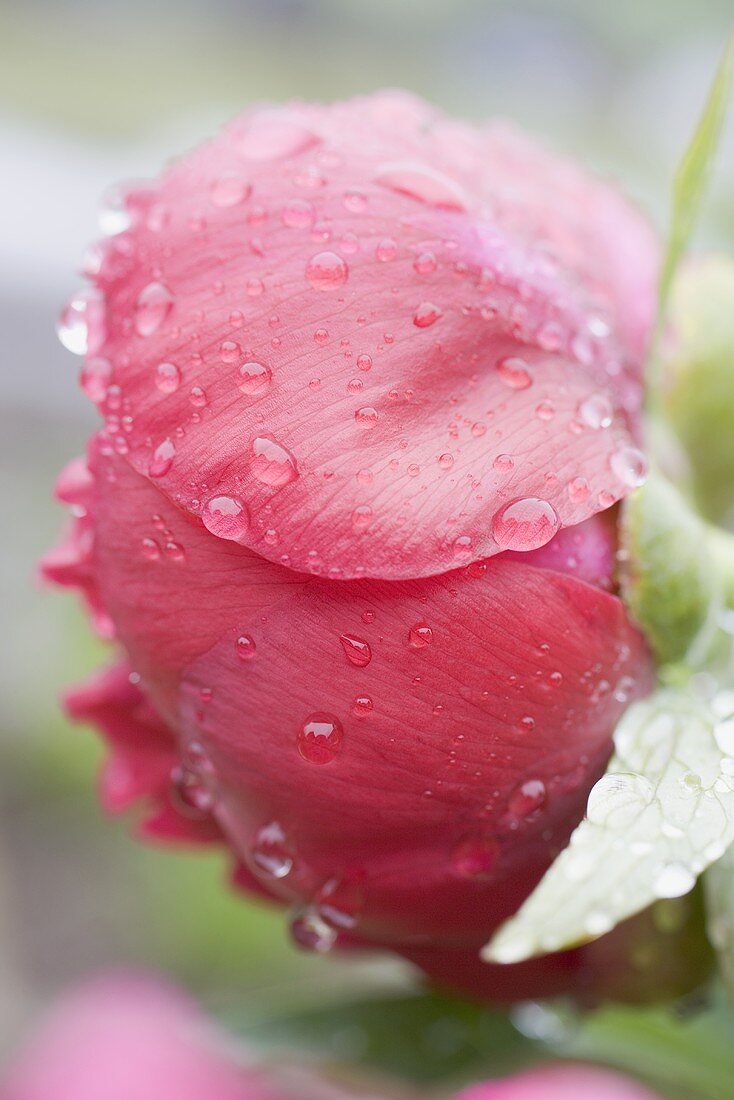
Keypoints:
pixel 561 1082
pixel 426 251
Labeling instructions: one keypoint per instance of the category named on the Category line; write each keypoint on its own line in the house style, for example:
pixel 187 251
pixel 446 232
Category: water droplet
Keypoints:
pixel 245 647
pixel 463 546
pixel 578 490
pixel 673 880
pixel 320 738
pixel 364 362
pixel 193 782
pixel 525 524
pixel 526 799
pixel 596 411
pixel 298 214
pixel 366 417
pixel 420 635
pixel 151 550
pixel 229 191
pixel 226 517
pixel 254 378
pixel 167 377
pixel 362 706
pixel 514 373
pixel 426 315
pixel 312 933
pixel 271 853
pixel 95 378
pixel 153 305
pixel 326 271
pixel 339 902
pixel 356 650
pixel 386 250
pixel 425 263
pixel 618 795
pixel 446 461
pixel 355 201
pixel 162 458
pixel 630 466
pixel 475 856
pixel 229 351
pixel 272 463
pixel 504 463
pixel 361 517
pixel 423 183
pixel 80 326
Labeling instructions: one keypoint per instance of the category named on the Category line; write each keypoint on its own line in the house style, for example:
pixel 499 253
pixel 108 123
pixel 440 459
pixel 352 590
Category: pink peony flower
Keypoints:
pixel 371 383
pixel 129 1037
pixel 561 1082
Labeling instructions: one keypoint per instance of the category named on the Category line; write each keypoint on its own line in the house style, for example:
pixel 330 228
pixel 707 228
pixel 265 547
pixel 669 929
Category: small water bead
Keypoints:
pixel 630 466
pixel 362 706
pixel 425 263
pixel 298 214
pixel 193 782
pixel 197 397
pixel 312 933
pixel 549 336
pixel 245 647
pixel 386 250
pixel 368 616
pixel 229 351
pixel 150 549
pixel 320 738
pixel 167 377
pixel 354 386
pixel 272 463
pixel 80 326
pixel 364 362
pixel 339 902
pixel 229 191
pixel 174 551
pixel 153 305
pixel 420 635
pixel 162 458
pixel 514 372
pixel 254 378
pixel 254 287
pixel 356 650
pixel 596 411
pixel 463 547
pixel 326 271
pixel 366 417
pixel 526 799
pixel 446 461
pixel 475 856
pixel 355 201
pixel 423 183
pixel 525 524
pixel 545 411
pixel 95 378
pixel 426 315
pixel 504 463
pixel 271 853
pixel 321 336
pixel 578 490
pixel 226 517
pixel 362 517
pixel 673 880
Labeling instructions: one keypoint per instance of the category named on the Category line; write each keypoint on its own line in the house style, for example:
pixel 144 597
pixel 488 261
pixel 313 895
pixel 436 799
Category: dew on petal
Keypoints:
pixel 596 411
pixel 312 933
pixel 245 647
pixel 254 378
pixel 514 373
pixel 630 466
pixel 420 635
pixel 339 902
pixel 162 458
pixel 193 783
pixel 366 417
pixel 271 853
pixel 80 326
pixel 426 315
pixel 153 305
pixel 357 651
pixel 167 377
pixel 226 517
pixel 326 271
pixel 526 799
pixel 320 738
pixel 272 463
pixel 525 524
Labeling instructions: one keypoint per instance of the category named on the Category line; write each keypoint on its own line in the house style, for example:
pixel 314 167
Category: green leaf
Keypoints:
pixel 690 179
pixel 719 886
pixel 663 813
pixel 424 1037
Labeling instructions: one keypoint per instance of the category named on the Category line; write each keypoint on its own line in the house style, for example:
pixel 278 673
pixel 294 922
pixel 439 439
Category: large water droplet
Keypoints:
pixel 366 417
pixel 514 373
pixel 420 635
pixel 426 315
pixel 311 932
pixel 526 799
pixel 525 524
pixel 80 326
pixel 423 183
pixel 167 377
pixel 153 305
pixel 475 856
pixel 226 517
pixel 320 738
pixel 254 378
pixel 673 880
pixel 630 466
pixel 162 458
pixel 326 271
pixel 193 782
pixel 356 650
pixel 245 647
pixel 272 463
pixel 596 411
pixel 271 853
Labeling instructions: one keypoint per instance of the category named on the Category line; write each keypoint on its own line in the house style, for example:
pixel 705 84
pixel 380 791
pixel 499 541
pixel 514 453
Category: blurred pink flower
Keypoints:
pixel 561 1082
pixel 371 384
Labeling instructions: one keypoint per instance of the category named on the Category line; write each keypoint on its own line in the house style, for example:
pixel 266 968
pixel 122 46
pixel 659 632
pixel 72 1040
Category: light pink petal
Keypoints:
pixel 561 1082
pixel 307 317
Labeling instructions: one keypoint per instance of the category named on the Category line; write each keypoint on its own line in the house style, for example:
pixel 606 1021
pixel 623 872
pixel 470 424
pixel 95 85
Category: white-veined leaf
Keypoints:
pixel 662 813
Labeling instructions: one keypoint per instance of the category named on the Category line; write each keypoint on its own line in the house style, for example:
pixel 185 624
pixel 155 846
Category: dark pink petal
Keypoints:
pixel 368 338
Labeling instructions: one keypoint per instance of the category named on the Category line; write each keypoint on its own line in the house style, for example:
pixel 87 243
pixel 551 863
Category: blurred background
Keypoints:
pixel 94 91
